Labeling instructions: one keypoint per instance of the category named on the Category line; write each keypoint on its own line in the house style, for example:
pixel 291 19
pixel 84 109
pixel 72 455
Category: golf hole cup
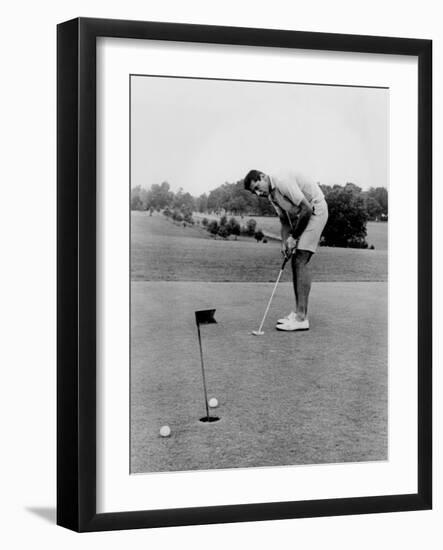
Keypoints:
pixel 165 431
pixel 213 402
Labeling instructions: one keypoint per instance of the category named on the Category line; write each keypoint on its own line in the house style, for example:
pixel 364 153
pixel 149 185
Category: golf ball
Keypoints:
pixel 213 402
pixel 165 431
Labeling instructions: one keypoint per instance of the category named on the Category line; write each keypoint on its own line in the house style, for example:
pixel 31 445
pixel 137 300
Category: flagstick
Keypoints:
pixel 203 371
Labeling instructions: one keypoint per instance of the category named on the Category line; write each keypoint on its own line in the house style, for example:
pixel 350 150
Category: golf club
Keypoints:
pixel 259 332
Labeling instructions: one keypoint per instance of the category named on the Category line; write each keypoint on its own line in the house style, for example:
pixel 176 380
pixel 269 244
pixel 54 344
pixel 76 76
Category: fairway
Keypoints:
pixel 162 251
pixel 285 398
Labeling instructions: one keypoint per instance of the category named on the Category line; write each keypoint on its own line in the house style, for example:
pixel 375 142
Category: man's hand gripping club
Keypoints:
pixel 288 247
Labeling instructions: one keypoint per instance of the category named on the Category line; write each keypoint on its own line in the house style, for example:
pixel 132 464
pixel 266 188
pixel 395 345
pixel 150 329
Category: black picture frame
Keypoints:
pixel 76 266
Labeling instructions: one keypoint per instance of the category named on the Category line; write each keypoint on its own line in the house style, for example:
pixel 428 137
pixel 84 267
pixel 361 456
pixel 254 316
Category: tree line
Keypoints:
pixel 229 197
pixel 350 208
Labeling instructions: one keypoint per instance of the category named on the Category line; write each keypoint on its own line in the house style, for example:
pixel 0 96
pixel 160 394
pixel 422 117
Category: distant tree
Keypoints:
pixel 138 198
pixel 373 208
pixel 218 198
pixel 159 196
pixel 325 188
pixel 346 226
pixel 201 203
pixel 351 187
pixel 237 204
pixel 265 208
pixel 183 201
pixel 380 194
pixel 223 220
pixel 136 203
pixel 233 198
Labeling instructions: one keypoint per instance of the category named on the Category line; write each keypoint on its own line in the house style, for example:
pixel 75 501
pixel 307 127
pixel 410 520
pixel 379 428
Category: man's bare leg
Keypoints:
pixel 301 277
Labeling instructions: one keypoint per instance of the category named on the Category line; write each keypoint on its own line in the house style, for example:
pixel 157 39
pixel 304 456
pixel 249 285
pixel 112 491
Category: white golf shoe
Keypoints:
pixel 293 324
pixel 290 317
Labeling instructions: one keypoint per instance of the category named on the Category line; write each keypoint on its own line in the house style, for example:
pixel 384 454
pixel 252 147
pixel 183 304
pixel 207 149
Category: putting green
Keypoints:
pixel 284 398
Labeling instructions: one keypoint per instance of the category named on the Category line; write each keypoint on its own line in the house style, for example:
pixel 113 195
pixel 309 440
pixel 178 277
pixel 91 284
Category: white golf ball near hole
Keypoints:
pixel 213 402
pixel 165 431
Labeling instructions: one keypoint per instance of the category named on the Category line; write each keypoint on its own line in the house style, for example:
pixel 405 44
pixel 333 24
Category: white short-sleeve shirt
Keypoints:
pixel 287 192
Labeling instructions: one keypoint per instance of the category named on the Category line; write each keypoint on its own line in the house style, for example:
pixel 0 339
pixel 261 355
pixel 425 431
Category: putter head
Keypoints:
pixel 257 332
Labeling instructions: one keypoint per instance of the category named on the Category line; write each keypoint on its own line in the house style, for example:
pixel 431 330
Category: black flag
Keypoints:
pixel 205 317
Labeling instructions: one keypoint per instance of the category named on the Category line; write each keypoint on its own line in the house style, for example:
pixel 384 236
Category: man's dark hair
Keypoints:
pixel 252 175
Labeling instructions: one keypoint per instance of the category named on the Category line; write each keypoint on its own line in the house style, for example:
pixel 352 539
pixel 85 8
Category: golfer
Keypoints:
pixel 303 212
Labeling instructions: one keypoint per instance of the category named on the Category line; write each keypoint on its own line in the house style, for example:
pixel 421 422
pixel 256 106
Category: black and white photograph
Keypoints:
pixel 259 230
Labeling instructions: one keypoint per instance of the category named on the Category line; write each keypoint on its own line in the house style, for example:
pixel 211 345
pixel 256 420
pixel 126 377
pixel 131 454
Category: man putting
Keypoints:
pixel 303 212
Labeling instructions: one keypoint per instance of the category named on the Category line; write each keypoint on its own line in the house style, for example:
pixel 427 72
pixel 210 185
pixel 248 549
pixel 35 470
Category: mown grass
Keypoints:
pixel 377 235
pixel 163 251
pixel 285 398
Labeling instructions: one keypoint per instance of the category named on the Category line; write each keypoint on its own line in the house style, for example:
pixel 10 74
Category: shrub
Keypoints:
pixel 176 216
pixel 258 235
pixel 223 232
pixel 250 227
pixel 233 227
pixel 188 218
pixel 213 227
pixel 205 222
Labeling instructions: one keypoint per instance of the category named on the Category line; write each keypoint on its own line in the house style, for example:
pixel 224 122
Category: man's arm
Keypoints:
pixel 304 214
pixel 285 231
pixel 291 233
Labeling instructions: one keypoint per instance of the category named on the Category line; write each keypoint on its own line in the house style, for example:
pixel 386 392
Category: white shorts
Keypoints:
pixel 310 237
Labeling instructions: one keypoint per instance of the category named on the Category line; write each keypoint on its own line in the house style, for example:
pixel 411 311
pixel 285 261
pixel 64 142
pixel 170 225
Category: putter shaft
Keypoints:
pixel 270 300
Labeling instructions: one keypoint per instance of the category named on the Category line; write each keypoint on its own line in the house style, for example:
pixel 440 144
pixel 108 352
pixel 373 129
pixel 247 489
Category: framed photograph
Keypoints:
pixel 244 274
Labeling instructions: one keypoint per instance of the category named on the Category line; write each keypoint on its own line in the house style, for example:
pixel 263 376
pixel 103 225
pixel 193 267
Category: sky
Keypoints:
pixel 197 134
